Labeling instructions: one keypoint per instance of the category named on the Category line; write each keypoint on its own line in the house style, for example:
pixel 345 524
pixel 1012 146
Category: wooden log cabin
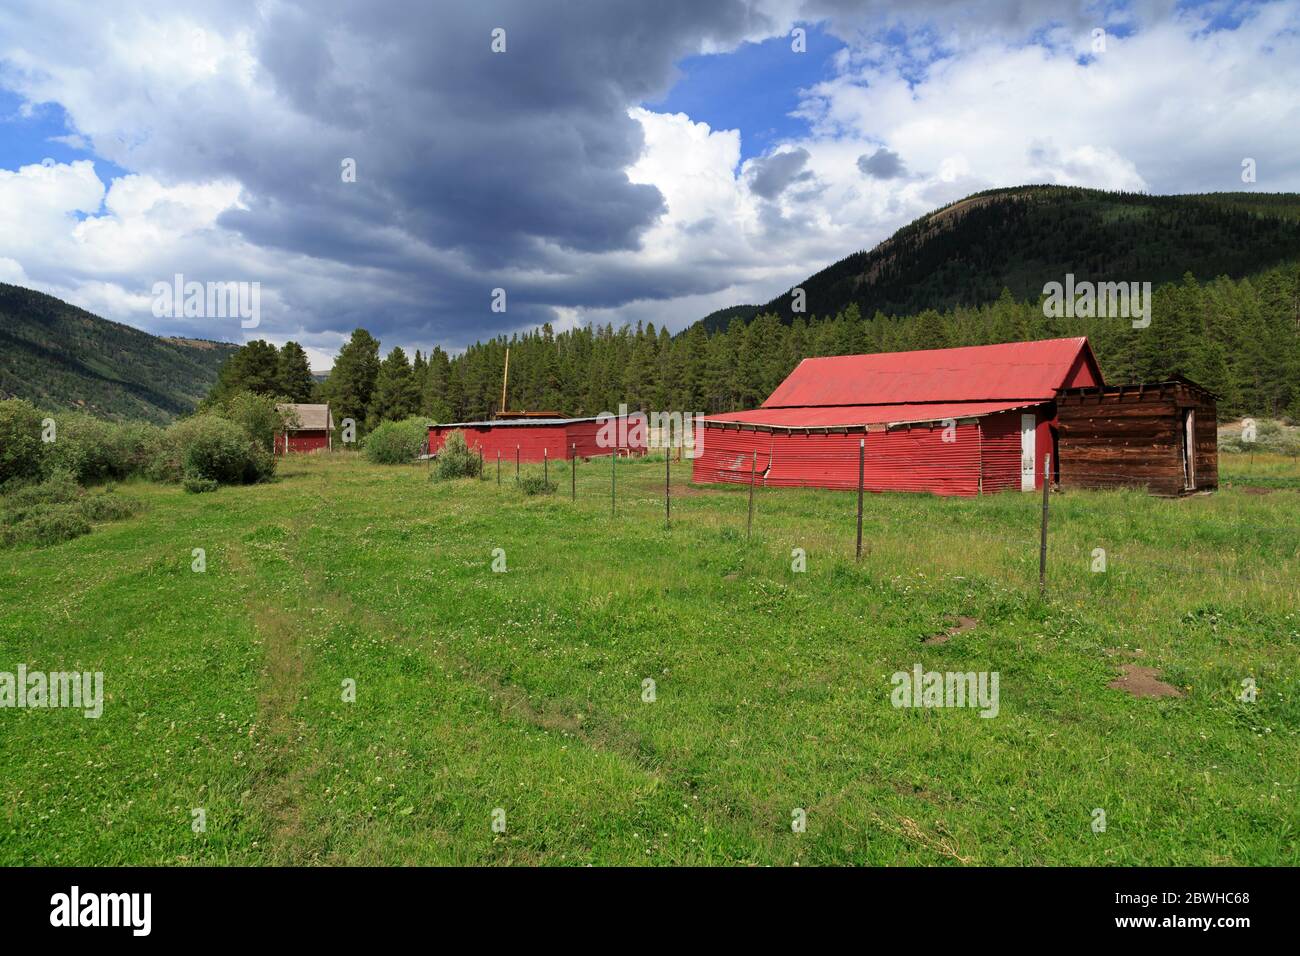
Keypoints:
pixel 1161 436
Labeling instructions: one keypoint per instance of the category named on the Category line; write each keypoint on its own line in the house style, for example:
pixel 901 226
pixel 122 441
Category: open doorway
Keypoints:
pixel 1189 449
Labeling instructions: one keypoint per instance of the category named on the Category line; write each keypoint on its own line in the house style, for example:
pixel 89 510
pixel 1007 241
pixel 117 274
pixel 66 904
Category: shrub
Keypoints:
pixel 208 446
pixel 257 415
pixel 58 489
pixel 46 524
pixel 396 443
pixel 534 485
pixel 92 449
pixel 106 506
pixel 455 460
pixel 197 486
pixel 22 453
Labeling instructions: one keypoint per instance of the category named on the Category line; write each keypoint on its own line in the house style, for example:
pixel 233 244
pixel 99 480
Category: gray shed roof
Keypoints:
pixel 310 417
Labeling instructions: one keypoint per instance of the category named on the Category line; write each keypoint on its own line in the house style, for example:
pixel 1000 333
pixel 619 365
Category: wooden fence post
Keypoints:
pixel 1042 541
pixel 498 466
pixel 862 461
pixel 480 463
pixel 546 466
pixel 749 523
pixel 516 461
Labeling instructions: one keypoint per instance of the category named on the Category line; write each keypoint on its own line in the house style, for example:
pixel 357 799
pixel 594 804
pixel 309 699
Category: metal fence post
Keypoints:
pixel 668 494
pixel 546 467
pixel 498 466
pixel 613 459
pixel 516 461
pixel 1042 541
pixel 573 473
pixel 862 461
pixel 749 523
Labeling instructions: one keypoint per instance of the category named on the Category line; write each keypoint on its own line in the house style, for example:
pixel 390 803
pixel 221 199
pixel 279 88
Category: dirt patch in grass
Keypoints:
pixel 1143 682
pixel 963 625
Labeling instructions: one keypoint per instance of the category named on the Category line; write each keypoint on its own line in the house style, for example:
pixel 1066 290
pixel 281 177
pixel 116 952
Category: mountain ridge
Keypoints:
pixel 62 357
pixel 965 252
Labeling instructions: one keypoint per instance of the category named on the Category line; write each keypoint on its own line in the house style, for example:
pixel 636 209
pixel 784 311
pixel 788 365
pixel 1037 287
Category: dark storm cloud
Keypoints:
pixel 771 175
pixel 472 166
pixel 882 164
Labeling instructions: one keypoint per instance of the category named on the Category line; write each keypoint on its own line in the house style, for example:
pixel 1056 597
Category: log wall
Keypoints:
pixel 1134 435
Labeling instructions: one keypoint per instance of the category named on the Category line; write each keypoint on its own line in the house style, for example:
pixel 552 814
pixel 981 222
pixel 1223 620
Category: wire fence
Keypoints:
pixel 1045 532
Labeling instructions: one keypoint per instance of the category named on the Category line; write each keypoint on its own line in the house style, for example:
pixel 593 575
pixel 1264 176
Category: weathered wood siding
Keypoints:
pixel 1134 435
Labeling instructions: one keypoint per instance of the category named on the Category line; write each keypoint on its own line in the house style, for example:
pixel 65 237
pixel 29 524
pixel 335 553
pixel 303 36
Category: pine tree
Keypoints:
pixel 351 382
pixel 293 374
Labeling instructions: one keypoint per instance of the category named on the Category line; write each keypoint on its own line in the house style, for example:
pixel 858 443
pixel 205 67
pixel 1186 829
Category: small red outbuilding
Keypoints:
pixel 314 430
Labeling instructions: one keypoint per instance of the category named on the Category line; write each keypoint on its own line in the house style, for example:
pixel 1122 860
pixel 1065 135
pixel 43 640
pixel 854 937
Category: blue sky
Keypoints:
pixel 32 138
pixel 754 88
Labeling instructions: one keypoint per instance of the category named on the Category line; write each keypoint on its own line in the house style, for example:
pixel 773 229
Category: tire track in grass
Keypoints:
pixel 280 780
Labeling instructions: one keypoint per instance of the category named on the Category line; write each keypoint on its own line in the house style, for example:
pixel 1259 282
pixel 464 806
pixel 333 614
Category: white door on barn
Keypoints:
pixel 1027 457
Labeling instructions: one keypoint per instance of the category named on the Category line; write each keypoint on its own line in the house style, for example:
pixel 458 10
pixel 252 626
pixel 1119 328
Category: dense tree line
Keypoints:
pixel 1240 338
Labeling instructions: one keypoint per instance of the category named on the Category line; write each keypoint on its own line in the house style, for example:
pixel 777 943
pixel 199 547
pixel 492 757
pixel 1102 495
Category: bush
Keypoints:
pixel 215 448
pixel 106 506
pixel 92 449
pixel 396 443
pixel 22 453
pixel 198 486
pixel 58 489
pixel 455 460
pixel 46 524
pixel 257 415
pixel 534 485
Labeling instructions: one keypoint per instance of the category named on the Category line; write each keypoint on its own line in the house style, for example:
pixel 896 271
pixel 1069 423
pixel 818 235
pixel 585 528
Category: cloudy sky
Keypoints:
pixel 621 160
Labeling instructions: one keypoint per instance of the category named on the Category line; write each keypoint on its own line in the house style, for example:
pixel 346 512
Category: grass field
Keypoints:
pixel 523 691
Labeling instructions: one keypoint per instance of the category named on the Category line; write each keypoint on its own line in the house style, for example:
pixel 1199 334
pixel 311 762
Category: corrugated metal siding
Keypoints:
pixel 584 435
pixel 905 459
pixel 1001 452
pixel 531 441
pixel 553 440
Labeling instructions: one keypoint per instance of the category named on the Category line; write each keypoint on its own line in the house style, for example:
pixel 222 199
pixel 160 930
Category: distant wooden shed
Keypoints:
pixel 314 430
pixel 1162 436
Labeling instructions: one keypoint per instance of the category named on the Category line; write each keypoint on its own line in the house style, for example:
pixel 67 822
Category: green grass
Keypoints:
pixel 523 690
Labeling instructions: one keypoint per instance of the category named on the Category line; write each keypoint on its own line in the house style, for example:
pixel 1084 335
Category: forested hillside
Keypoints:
pixel 58 356
pixel 966 253
pixel 1238 337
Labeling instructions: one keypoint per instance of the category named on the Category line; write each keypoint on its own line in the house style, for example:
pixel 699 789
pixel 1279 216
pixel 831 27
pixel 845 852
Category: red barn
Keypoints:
pixel 949 421
pixel 535 438
pixel 314 431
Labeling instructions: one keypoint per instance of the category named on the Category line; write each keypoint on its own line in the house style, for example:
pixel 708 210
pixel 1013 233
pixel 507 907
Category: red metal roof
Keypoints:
pixel 838 416
pixel 978 373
